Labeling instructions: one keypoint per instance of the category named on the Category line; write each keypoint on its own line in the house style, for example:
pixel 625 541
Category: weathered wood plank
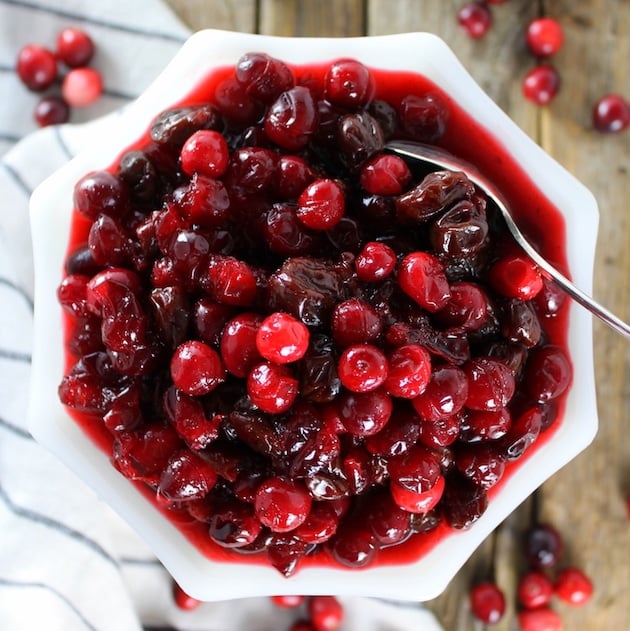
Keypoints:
pixel 594 61
pixel 231 15
pixel 333 18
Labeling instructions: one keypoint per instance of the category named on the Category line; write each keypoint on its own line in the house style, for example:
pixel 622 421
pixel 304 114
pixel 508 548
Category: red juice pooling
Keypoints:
pixel 300 349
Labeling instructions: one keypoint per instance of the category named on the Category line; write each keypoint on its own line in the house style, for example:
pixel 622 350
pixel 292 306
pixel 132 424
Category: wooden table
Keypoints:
pixel 586 499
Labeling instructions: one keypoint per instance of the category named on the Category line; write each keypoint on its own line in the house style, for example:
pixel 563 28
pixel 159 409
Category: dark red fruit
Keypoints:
pixel 37 67
pixel 611 114
pixel 272 388
pixel 263 77
pixel 281 338
pixel 206 152
pixel 196 368
pixel 475 18
pixel 516 277
pixel 321 205
pixel 487 602
pixel 544 37
pixel 326 613
pixel 355 322
pixel 385 175
pixel 535 589
pixel 573 586
pixel 541 619
pixel 348 83
pixel 490 384
pixel 541 84
pixel 364 413
pixel 409 371
pixel 51 111
pixel 74 47
pixel 542 546
pixel 421 276
pixel 282 505
pixel 375 262
pixel 362 367
pixel 292 119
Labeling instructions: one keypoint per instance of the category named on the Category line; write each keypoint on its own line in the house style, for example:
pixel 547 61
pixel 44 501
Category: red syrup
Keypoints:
pixel 537 216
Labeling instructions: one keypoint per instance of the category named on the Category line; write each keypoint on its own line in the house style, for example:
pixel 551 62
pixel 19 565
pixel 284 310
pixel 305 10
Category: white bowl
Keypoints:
pixel 51 425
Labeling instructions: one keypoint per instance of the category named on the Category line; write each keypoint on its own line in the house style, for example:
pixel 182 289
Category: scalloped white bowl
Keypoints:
pixel 207 579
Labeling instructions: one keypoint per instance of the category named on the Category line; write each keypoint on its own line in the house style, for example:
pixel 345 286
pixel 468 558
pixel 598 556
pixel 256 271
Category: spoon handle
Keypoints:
pixel 441 158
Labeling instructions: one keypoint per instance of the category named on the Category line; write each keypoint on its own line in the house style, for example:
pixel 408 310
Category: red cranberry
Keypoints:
pixel 516 277
pixel 362 367
pixel 487 602
pixel 573 586
pixel 196 368
pixel 348 83
pixel 424 117
pixel 544 37
pixel 186 477
pixel 272 388
pixel 483 464
pixel 188 417
pixel 385 174
pixel 421 276
pixel 466 308
pixel 183 600
pixel 98 193
pixel 37 67
pixel 281 338
pixel 445 394
pixel 321 205
pixel 478 425
pixel 74 47
pixel 547 373
pixel 440 433
pixel 353 546
pixel 292 119
pixel 355 322
pixel 82 87
pixel 364 413
pixel 541 619
pixel 206 152
pixel 263 77
pixel 542 546
pixel 409 371
pixel 325 612
pixel 293 175
pixel 281 504
pixel 320 525
pixel 490 384
pixel 230 281
pixel 288 602
pixel 475 18
pixel 541 84
pixel 421 502
pixel 233 524
pixel 375 262
pixel 51 111
pixel 535 589
pixel 238 344
pixel 611 114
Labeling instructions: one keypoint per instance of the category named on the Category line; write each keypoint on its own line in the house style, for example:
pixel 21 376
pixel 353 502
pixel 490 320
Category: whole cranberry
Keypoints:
pixel 541 84
pixel 51 111
pixel 487 602
pixel 611 114
pixel 541 619
pixel 573 586
pixel 535 589
pixel 37 67
pixel 544 37
pixel 325 612
pixel 475 18
pixel 82 87
pixel 74 47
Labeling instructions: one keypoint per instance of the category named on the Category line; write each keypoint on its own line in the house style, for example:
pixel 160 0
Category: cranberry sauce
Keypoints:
pixel 301 349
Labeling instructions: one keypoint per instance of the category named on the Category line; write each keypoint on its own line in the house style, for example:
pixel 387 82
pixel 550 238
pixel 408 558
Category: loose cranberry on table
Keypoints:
pixel 535 589
pixel 74 47
pixel 544 37
pixel 541 619
pixel 541 84
pixel 325 613
pixel 543 546
pixel 37 67
pixel 475 18
pixel 82 87
pixel 487 602
pixel 611 114
pixel 51 111
pixel 573 586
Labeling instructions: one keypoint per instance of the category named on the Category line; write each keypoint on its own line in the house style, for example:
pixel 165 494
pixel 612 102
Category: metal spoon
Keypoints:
pixel 438 157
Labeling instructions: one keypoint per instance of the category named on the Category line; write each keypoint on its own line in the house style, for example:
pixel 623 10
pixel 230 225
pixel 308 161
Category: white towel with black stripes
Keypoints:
pixel 66 560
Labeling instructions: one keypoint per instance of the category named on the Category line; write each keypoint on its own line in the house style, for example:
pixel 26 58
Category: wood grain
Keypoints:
pixel 585 500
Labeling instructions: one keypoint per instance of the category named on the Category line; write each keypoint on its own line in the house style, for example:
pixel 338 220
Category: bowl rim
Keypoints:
pixel 51 425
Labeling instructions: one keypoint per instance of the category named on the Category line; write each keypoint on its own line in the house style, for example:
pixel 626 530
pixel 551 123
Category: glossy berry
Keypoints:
pixel 385 174
pixel 417 502
pixel 487 602
pixel 490 384
pixel 573 586
pixel 348 83
pixel 100 192
pixel 292 119
pixel 362 367
pixel 196 368
pixel 282 505
pixel 544 37
pixel 535 589
pixel 325 612
pixel 321 205
pixel 51 110
pixel 37 67
pixel 611 114
pixel 516 277
pixel 375 262
pixel 82 87
pixel 272 387
pixel 281 338
pixel 421 276
pixel 409 371
pixel 365 413
pixel 74 47
pixel 183 600
pixel 475 18
pixel 288 602
pixel 263 76
pixel 445 394
pixel 206 152
pixel 355 322
pixel 547 373
pixel 541 84
pixel 541 619
pixel 542 546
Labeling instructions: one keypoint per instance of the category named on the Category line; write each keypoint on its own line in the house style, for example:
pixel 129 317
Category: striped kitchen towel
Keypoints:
pixel 66 560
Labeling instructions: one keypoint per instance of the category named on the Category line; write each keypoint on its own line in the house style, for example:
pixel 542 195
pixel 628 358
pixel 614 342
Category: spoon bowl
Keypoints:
pixel 432 155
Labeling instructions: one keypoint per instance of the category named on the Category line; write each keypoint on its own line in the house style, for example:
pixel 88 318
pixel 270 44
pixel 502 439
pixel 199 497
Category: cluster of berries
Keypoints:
pixel 544 38
pixel 40 68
